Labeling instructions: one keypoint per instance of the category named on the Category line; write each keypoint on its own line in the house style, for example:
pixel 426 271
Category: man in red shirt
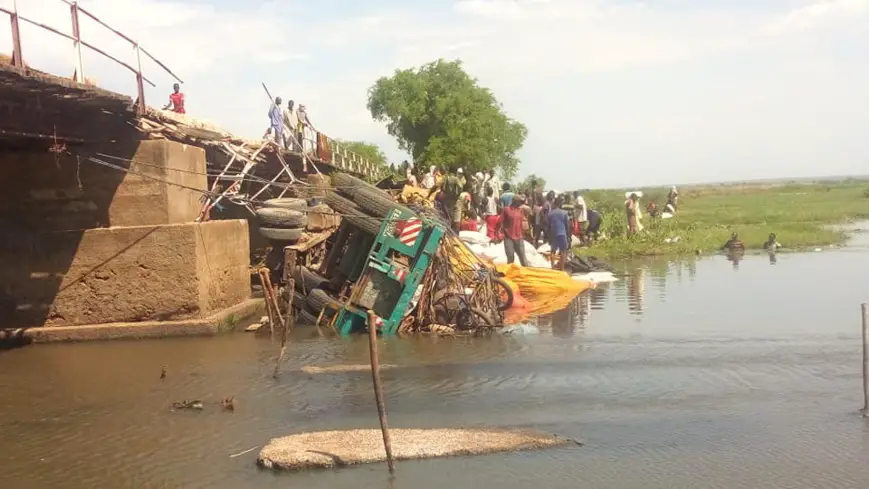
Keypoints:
pixel 176 100
pixel 511 225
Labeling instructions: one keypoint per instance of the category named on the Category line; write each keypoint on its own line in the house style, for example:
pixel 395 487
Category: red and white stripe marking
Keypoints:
pixel 408 231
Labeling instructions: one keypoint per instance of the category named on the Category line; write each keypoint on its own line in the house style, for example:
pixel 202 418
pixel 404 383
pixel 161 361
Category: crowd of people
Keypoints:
pixel 510 217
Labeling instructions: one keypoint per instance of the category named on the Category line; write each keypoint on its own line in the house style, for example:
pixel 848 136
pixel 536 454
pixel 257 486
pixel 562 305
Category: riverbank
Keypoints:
pixel 799 214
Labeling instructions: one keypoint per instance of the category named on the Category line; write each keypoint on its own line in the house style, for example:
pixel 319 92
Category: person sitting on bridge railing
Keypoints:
pixel 176 100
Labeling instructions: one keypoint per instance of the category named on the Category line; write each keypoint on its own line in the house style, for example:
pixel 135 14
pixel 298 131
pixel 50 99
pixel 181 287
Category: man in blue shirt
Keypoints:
pixel 276 122
pixel 506 196
pixel 559 238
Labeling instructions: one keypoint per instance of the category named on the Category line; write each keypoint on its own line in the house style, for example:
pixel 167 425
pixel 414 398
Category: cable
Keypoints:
pixel 209 193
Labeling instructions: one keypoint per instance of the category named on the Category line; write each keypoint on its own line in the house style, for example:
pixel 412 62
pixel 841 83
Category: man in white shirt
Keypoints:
pixel 495 184
pixel 291 122
pixel 580 208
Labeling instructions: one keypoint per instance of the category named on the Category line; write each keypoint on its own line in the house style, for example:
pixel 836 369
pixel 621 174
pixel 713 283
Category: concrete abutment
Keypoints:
pixel 86 248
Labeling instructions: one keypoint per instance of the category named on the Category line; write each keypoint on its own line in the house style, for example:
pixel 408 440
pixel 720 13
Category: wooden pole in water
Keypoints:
pixel 288 322
pixel 378 390
pixel 865 310
pixel 268 302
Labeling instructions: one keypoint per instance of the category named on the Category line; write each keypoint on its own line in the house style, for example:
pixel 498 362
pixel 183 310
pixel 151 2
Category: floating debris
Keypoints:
pixel 193 404
pixel 324 449
pixel 229 404
pixel 337 369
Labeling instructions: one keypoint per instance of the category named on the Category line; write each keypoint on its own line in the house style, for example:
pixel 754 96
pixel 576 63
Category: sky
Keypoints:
pixel 614 93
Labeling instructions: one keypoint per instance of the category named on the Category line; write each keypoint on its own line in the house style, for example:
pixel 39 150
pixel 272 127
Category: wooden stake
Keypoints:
pixel 262 280
pixel 378 390
pixel 288 322
pixel 865 310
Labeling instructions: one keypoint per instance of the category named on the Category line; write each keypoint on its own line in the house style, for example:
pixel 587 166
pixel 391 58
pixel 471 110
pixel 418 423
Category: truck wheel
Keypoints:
pixel 319 300
pixel 367 196
pixel 279 217
pixel 307 280
pixel 351 213
pixel 305 318
pixel 293 204
pixel 282 235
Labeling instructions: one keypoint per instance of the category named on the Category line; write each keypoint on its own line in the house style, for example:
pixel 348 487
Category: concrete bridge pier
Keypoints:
pixel 89 252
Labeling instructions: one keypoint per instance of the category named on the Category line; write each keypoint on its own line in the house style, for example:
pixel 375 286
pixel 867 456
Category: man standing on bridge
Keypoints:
pixel 176 100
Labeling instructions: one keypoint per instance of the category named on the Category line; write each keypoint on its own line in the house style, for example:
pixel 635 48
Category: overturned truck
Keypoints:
pixel 350 248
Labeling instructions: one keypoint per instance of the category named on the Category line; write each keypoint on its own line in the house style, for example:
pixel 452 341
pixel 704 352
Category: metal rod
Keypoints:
pixel 17 57
pixel 378 388
pixel 83 43
pixel 122 36
pixel 140 87
pixel 864 308
pixel 76 33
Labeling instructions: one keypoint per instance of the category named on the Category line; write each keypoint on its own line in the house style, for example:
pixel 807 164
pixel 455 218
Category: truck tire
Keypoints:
pixel 281 234
pixel 319 299
pixel 307 280
pixel 368 197
pixel 291 203
pixel 351 213
pixel 305 318
pixel 279 217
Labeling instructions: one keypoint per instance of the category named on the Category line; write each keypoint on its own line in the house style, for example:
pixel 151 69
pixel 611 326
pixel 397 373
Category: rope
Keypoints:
pixel 209 193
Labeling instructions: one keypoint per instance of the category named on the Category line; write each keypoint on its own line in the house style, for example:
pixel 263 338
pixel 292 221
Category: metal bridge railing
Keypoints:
pixel 78 75
pixel 337 156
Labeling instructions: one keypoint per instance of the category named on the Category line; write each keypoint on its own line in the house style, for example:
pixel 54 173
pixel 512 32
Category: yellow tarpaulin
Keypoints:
pixel 545 290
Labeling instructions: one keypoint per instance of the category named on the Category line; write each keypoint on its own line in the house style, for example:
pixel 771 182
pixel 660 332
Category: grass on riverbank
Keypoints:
pixel 797 213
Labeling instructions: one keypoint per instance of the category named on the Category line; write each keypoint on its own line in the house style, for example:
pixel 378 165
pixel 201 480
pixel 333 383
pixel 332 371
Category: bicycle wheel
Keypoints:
pixel 505 292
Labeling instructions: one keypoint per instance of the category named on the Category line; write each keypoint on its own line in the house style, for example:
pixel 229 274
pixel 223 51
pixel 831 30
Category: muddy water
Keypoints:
pixel 694 374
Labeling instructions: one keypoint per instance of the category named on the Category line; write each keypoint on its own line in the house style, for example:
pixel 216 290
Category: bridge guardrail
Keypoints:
pixel 339 157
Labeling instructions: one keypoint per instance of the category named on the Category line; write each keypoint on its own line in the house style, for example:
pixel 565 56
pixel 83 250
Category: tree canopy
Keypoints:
pixel 369 151
pixel 528 185
pixel 442 116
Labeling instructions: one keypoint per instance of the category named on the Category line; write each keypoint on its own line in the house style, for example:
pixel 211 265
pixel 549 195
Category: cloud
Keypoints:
pixel 822 14
pixel 696 92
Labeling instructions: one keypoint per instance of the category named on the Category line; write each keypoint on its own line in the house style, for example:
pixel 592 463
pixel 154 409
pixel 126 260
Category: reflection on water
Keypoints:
pixel 683 374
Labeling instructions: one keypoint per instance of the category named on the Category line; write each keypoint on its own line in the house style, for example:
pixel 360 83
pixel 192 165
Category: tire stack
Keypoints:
pixel 360 203
pixel 282 221
pixel 312 296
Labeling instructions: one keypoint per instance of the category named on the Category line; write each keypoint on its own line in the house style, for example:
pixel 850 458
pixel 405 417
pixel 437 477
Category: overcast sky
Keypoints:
pixel 614 93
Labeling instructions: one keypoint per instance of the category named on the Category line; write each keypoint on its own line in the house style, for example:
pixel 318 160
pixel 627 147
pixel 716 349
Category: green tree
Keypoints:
pixel 442 116
pixel 369 151
pixel 531 181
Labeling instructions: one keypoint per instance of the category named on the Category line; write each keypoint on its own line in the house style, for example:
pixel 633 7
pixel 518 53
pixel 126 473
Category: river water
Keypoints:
pixel 686 374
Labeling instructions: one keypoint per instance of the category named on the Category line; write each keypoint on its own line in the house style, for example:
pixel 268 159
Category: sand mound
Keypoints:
pixel 336 448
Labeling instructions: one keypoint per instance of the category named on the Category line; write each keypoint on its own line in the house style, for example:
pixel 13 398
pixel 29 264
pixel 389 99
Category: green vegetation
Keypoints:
pixel 531 182
pixel 369 151
pixel 797 213
pixel 228 323
pixel 442 116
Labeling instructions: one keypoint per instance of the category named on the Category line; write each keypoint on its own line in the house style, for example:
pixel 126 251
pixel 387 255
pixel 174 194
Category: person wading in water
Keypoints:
pixel 559 236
